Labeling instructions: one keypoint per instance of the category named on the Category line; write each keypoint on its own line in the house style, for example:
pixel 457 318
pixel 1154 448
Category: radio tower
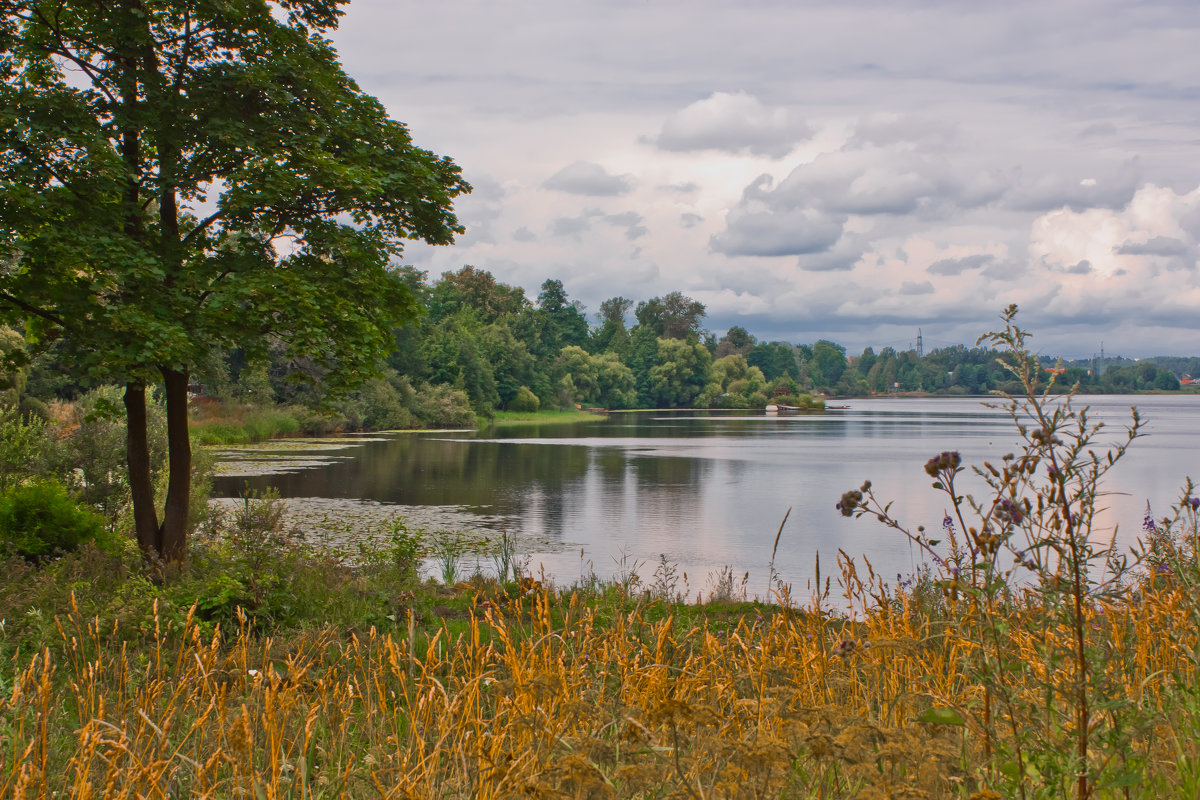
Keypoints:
pixel 920 345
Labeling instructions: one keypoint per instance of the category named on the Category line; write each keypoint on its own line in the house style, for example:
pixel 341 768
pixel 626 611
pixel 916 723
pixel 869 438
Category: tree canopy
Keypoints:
pixel 183 175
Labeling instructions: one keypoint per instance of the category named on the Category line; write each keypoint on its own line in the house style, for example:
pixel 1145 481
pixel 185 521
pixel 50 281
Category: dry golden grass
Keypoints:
pixel 544 696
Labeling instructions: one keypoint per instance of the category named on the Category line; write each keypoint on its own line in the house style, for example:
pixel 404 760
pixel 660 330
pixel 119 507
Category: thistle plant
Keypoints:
pixel 1029 575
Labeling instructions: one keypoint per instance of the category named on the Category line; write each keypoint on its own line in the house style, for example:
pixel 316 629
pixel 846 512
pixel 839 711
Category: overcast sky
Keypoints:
pixel 847 170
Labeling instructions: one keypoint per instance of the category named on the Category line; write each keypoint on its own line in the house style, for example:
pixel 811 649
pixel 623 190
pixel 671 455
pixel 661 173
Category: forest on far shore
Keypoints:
pixel 482 346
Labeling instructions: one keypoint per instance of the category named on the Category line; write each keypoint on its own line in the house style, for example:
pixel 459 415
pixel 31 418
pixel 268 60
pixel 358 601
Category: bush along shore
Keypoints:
pixel 1031 658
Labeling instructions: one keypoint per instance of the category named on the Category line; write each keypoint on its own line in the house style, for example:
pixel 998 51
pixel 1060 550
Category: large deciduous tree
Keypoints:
pixel 183 175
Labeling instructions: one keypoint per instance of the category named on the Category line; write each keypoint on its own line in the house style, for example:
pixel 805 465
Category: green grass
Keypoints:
pixel 505 419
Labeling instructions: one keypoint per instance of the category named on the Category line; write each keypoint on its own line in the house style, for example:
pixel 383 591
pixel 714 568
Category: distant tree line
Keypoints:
pixel 481 345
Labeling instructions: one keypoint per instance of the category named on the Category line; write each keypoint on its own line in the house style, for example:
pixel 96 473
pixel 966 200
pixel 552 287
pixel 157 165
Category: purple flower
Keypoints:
pixel 1194 502
pixel 947 522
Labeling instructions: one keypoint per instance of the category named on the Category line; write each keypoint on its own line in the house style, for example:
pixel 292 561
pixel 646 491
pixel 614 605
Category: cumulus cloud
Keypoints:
pixel 523 234
pixel 690 220
pixel 1156 223
pixel 756 230
pixel 732 123
pixel 592 180
pixel 809 209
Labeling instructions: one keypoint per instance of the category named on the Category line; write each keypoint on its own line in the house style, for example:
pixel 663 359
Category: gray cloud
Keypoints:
pixel 1081 268
pixel 1158 246
pixel 751 231
pixel 881 130
pixel 681 188
pixel 574 227
pixel 911 288
pixel 1008 270
pixel 690 220
pixel 586 178
pixel 631 222
pixel 523 234
pixel 885 181
pixel 732 123
pixel 842 257
pixel 1111 187
pixel 957 266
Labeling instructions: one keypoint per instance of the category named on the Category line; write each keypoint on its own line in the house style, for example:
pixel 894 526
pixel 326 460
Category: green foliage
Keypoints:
pixel 23 447
pixel 441 406
pixel 734 384
pixel 827 364
pixel 681 371
pixel 256 424
pixel 150 158
pixel 476 289
pixel 525 401
pixel 251 564
pixel 89 448
pixel 39 519
pixel 673 316
pixel 383 404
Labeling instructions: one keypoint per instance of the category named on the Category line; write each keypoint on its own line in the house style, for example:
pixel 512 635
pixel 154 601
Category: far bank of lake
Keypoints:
pixel 708 490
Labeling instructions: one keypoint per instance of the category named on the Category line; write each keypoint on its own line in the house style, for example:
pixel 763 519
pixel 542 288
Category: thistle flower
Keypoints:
pixel 850 502
pixel 947 460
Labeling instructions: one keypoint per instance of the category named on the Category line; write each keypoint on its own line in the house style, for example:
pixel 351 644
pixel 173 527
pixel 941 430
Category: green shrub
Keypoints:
pixel 525 401
pixel 39 519
pixel 445 407
pixel 23 447
pixel 383 407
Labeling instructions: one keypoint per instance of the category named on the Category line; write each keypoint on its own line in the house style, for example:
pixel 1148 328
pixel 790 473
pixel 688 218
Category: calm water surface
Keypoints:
pixel 709 489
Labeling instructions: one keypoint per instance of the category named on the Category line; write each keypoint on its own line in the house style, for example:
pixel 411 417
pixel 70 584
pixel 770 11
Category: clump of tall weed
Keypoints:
pixel 1033 584
pixel 250 564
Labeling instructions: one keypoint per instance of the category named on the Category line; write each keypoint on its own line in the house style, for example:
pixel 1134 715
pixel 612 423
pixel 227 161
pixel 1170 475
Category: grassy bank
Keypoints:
pixel 508 419
pixel 362 682
pixel 232 423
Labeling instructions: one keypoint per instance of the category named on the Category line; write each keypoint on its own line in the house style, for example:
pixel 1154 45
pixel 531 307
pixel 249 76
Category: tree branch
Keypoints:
pixel 202 226
pixel 5 297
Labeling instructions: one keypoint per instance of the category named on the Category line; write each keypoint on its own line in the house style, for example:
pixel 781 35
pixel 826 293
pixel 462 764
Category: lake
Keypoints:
pixel 708 490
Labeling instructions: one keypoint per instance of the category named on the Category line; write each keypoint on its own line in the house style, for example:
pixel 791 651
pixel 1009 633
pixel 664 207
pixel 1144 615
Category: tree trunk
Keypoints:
pixel 141 486
pixel 179 465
